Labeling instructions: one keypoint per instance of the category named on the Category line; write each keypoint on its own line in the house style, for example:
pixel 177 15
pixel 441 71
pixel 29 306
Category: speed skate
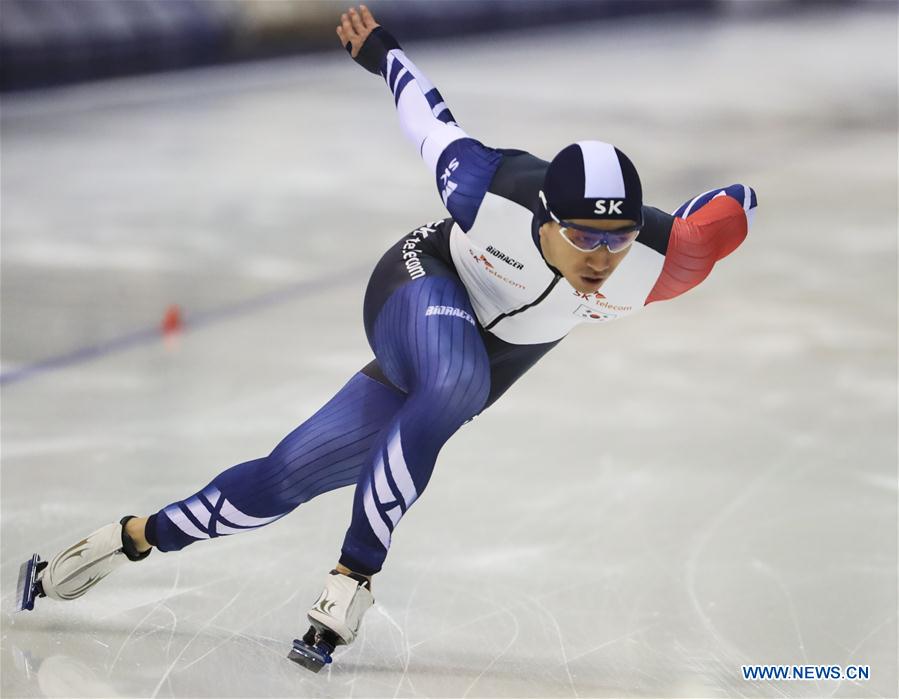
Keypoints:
pixel 29 587
pixel 334 620
pixel 314 650
pixel 76 569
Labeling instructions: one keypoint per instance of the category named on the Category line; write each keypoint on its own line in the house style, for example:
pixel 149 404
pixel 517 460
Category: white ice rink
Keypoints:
pixel 719 489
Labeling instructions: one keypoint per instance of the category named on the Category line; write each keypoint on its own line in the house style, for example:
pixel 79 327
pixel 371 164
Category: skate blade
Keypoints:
pixel 26 586
pixel 310 657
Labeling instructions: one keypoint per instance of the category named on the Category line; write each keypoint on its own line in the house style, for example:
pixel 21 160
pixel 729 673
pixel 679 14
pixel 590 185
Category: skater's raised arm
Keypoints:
pixel 463 167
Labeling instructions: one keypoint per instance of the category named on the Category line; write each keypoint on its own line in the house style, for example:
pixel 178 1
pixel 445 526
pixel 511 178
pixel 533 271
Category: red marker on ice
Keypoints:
pixel 172 321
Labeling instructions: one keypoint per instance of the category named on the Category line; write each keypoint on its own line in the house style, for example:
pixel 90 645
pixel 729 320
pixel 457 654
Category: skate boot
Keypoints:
pixel 75 570
pixel 334 620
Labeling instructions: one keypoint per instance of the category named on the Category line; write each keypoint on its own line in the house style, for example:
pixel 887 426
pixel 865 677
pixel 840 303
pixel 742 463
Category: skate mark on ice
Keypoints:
pixel 773 575
pixel 247 637
pixel 239 632
pixel 209 624
pixel 423 573
pixel 459 627
pixel 878 627
pixel 407 652
pixel 193 638
pixel 850 654
pixel 505 610
pixel 613 641
pixel 734 656
pixel 159 603
pixel 555 623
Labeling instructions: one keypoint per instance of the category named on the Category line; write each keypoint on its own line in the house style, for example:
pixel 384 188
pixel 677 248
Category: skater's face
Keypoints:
pixel 585 271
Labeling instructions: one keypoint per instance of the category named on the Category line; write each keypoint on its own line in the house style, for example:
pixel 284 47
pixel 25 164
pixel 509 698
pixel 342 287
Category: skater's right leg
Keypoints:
pixel 325 452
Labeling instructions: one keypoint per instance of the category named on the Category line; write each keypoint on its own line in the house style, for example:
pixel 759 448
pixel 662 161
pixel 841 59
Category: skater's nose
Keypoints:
pixel 599 260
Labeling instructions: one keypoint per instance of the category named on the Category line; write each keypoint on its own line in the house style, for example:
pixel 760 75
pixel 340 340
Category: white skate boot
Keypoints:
pixel 335 620
pixel 73 571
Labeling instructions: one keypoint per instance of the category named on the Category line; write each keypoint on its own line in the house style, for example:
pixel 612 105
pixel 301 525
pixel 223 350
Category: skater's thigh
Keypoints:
pixel 426 336
pixel 419 319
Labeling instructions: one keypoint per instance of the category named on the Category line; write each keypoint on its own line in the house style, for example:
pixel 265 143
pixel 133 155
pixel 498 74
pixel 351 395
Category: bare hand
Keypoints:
pixel 355 27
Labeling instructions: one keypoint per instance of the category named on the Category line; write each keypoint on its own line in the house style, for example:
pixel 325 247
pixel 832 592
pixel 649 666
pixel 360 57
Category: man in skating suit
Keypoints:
pixel 455 312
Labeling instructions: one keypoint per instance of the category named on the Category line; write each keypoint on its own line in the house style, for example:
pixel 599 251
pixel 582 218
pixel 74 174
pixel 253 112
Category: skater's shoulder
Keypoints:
pixel 656 231
pixel 519 176
pixel 521 162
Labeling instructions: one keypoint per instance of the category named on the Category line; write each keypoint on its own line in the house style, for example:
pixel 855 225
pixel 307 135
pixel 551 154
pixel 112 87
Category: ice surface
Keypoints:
pixel 719 490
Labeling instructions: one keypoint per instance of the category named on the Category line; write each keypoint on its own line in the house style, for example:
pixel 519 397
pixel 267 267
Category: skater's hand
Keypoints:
pixel 355 27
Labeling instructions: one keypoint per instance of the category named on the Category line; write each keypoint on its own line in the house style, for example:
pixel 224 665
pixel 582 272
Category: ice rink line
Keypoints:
pixel 194 321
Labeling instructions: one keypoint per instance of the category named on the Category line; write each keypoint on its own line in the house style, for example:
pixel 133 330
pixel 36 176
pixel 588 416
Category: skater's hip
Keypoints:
pixel 420 254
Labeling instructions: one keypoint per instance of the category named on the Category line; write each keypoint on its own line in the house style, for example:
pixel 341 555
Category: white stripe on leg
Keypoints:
pixel 374 518
pixel 400 470
pixel 180 520
pixel 235 516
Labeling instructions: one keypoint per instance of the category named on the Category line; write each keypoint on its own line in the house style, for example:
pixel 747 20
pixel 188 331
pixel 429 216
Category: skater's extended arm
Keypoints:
pixel 463 167
pixel 706 229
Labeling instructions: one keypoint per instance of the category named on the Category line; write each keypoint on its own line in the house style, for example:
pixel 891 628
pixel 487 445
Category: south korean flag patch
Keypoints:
pixel 592 315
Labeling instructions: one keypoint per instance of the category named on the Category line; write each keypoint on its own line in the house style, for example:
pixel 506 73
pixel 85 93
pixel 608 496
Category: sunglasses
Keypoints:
pixel 587 239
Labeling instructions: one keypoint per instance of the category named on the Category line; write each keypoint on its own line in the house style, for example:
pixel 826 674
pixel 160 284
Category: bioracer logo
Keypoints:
pixel 504 257
pixel 449 311
pixel 612 207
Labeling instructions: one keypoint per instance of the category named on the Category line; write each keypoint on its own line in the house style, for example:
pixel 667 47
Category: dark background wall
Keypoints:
pixel 49 42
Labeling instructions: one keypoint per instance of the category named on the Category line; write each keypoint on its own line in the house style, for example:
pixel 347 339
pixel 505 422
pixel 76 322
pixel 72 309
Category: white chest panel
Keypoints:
pixel 503 272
